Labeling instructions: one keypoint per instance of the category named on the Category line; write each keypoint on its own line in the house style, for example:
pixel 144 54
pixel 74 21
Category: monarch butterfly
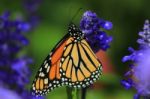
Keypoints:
pixel 72 63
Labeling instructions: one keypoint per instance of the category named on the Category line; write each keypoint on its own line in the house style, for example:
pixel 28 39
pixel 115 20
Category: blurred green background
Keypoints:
pixel 127 16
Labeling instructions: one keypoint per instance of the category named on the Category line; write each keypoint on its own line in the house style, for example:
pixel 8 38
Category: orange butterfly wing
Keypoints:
pixel 48 76
pixel 72 62
pixel 79 65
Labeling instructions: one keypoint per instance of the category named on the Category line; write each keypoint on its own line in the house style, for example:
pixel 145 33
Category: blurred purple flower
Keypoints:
pixel 139 73
pixel 91 25
pixel 144 39
pixel 134 56
pixel 12 38
pixel 31 8
pixel 14 71
pixel 137 96
pixel 20 67
pixel 142 74
pixel 127 83
pixel 17 71
pixel 8 94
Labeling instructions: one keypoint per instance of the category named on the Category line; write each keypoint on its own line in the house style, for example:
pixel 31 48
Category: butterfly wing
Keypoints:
pixel 72 62
pixel 79 65
pixel 48 76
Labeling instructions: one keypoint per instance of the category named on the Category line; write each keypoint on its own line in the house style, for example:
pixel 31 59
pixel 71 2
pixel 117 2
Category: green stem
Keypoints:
pixel 84 90
pixel 72 93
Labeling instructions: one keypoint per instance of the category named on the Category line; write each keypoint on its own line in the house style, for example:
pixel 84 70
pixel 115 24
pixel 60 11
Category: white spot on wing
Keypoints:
pixel 64 48
pixel 41 74
pixel 50 54
pixel 63 79
pixel 45 62
pixel 46 65
pixel 62 59
pixel 48 69
pixel 33 88
pixel 46 81
pixel 40 69
pixel 50 84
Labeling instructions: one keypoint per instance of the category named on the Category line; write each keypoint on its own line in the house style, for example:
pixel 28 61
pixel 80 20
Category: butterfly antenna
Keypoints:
pixel 76 14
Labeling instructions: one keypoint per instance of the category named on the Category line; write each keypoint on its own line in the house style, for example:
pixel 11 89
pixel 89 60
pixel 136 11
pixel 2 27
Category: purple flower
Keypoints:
pixel 31 7
pixel 134 56
pixel 12 30
pixel 142 74
pixel 20 67
pixel 106 25
pixel 144 39
pixel 91 26
pixel 139 73
pixel 8 94
pixel 137 96
pixel 14 71
pixel 127 83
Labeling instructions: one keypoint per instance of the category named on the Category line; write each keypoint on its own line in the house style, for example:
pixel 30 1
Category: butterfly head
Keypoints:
pixel 75 32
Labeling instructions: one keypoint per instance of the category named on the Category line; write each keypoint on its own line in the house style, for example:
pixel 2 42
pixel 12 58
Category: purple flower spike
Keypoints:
pixel 12 66
pixel 107 25
pixel 136 96
pixel 8 94
pixel 5 15
pixel 144 39
pixel 140 64
pixel 14 70
pixel 91 25
pixel 126 83
pixel 20 66
pixel 31 7
pixel 129 73
pixel 24 27
pixel 89 22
